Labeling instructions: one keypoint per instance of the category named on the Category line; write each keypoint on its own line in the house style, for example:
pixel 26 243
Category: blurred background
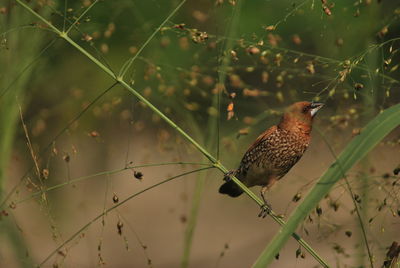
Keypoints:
pixel 77 149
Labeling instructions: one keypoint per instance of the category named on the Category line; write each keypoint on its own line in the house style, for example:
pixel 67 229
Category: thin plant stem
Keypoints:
pixel 105 212
pixel 109 172
pixel 192 219
pixel 17 56
pixel 52 142
pixel 65 13
pixel 32 152
pixel 362 225
pixel 128 64
pixel 26 68
pixel 139 240
pixel 81 16
pixel 350 190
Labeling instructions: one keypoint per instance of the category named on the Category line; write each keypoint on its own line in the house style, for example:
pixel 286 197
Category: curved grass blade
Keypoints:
pixel 371 135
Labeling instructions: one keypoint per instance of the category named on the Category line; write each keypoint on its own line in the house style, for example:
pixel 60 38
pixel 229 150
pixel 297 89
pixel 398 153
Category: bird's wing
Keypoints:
pixel 262 138
pixel 252 154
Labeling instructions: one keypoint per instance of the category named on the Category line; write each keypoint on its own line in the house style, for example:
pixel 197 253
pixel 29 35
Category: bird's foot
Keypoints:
pixel 229 174
pixel 265 210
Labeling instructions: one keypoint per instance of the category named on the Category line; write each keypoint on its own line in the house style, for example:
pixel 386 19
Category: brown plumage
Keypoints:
pixel 275 151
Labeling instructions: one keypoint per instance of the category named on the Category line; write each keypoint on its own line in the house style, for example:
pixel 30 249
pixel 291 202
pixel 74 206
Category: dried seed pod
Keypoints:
pixel 383 31
pixel 234 55
pixel 248 120
pixel 298 252
pixel 252 92
pixel 94 134
pixel 115 198
pixel 357 198
pixel 198 36
pixel 138 175
pixel 270 28
pixel 253 50
pixel 242 132
pixel 396 171
pixel 3 10
pixel 54 150
pixel 279 95
pixel 334 205
pixel 278 59
pixel 45 173
pixel 296 197
pixel 66 158
pixel 230 111
pixel 87 37
pixel 264 77
pixel 120 225
pixel 339 249
pixel 343 75
pixel 339 42
pixel 180 26
pixel 183 218
pixel 104 48
pixel 355 132
pixel 318 209
pixel 348 233
pixel 326 10
pixel 273 39
pixel 310 67
pixel 358 86
pixel 296 39
pixel 394 68
pixel 133 49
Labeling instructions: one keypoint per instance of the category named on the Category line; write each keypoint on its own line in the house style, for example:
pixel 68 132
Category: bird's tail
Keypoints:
pixel 230 188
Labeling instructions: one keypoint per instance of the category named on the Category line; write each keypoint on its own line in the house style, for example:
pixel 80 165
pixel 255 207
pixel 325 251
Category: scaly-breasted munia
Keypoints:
pixel 274 152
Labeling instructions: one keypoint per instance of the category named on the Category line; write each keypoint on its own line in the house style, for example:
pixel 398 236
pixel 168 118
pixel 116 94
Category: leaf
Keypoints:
pixel 371 135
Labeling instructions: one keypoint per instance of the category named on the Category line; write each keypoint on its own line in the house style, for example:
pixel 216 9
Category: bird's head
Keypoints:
pixel 299 116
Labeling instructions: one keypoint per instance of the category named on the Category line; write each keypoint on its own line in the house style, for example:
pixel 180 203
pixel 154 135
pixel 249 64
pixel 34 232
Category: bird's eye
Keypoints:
pixel 306 109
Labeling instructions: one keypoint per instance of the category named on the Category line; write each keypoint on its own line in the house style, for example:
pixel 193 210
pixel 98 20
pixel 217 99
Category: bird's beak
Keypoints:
pixel 315 106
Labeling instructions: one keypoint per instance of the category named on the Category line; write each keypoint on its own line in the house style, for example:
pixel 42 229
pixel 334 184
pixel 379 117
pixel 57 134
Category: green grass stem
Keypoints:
pixel 212 137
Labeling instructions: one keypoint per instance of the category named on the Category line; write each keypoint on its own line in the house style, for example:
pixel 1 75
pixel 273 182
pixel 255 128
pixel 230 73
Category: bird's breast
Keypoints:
pixel 284 151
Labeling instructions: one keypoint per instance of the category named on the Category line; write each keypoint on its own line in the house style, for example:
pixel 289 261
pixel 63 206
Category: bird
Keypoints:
pixel 274 152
